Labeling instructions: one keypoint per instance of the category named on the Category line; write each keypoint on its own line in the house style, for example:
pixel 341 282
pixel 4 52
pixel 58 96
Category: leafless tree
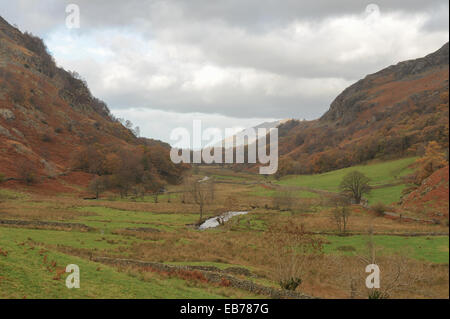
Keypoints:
pixel 200 192
pixel 27 172
pixel 355 184
pixel 295 251
pixel 341 213
pixel 397 273
pixel 98 185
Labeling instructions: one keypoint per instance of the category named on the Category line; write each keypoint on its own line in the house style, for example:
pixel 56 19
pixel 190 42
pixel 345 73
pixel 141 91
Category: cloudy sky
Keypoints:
pixel 229 63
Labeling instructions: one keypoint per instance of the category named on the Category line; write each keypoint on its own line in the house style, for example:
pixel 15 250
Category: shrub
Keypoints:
pixel 2 178
pixel 379 208
pixel 290 284
pixel 44 60
pixel 283 201
pixel 46 138
pixel 295 253
pixel 376 294
pixel 17 93
pixel 27 172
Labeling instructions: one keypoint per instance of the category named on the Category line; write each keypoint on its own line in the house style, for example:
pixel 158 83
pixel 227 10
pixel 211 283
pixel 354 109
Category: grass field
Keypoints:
pixel 27 272
pixel 263 192
pixel 380 174
pixel 386 195
pixel 432 249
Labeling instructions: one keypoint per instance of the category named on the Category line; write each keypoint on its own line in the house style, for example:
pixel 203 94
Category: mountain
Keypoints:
pixel 392 113
pixel 266 125
pixel 49 120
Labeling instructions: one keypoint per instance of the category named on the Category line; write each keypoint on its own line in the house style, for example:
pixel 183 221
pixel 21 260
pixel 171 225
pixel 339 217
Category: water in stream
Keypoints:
pixel 216 221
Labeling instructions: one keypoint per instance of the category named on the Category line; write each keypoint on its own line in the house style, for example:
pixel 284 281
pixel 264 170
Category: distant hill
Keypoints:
pixel 389 114
pixel 49 118
pixel 266 125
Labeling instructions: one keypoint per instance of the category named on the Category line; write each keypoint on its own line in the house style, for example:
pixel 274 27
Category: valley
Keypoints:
pixel 163 233
pixel 365 184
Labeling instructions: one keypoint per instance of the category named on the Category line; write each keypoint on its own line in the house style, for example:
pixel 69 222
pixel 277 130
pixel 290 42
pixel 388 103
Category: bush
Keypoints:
pixel 46 138
pixel 2 178
pixel 290 284
pixel 379 208
pixel 27 172
pixel 295 253
pixel 16 93
pixel 376 294
pixel 43 60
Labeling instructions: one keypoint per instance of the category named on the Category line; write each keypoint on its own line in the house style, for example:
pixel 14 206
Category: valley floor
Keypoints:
pixel 41 234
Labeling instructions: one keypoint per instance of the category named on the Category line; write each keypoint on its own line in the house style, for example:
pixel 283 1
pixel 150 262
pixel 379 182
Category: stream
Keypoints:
pixel 216 221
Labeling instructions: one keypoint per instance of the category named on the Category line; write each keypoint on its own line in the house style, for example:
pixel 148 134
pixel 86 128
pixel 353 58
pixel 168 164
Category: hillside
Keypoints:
pixel 265 125
pixel 389 114
pixel 49 120
pixel 431 197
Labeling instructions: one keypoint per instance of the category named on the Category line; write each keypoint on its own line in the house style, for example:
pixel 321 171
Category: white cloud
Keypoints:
pixel 159 124
pixel 231 60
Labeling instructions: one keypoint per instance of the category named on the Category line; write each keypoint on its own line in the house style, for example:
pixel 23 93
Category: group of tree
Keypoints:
pixel 434 159
pixel 134 170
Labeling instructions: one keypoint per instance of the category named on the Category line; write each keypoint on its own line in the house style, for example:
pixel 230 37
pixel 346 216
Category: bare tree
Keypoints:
pixel 295 251
pixel 98 185
pixel 355 184
pixel 155 196
pixel 341 213
pixel 200 192
pixel 27 172
pixel 213 188
pixel 397 272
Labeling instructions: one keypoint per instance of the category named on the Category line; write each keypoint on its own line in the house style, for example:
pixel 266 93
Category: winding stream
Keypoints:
pixel 216 221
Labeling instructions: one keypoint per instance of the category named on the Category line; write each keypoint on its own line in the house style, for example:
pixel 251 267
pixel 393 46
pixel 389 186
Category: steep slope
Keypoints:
pixel 391 113
pixel 431 197
pixel 48 117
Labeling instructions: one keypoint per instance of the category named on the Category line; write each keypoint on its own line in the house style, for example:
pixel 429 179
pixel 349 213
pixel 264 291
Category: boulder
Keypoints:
pixel 7 114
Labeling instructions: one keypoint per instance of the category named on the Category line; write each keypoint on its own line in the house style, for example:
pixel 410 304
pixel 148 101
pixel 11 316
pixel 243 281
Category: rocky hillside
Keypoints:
pixel 392 113
pixel 48 117
pixel 431 197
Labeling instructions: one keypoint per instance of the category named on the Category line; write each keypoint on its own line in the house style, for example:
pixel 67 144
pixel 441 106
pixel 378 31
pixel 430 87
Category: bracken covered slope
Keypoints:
pixel 431 197
pixel 391 113
pixel 47 115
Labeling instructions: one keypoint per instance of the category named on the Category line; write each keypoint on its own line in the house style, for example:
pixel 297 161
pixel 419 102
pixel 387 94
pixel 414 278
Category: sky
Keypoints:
pixel 229 63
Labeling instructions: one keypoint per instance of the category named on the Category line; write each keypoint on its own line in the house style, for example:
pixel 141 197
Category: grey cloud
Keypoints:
pixel 231 103
pixel 252 15
pixel 440 20
pixel 248 36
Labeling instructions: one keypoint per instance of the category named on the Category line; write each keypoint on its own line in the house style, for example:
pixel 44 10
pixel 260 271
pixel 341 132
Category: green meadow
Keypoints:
pixel 385 173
